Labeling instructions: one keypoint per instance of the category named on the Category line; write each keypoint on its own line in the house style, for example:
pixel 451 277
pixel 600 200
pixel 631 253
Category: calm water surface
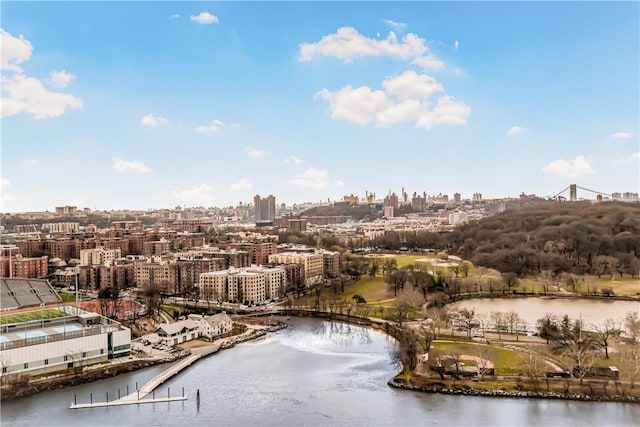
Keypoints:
pixel 314 373
pixel 592 311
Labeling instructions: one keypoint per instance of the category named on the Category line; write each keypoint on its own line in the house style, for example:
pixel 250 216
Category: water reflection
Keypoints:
pixel 313 373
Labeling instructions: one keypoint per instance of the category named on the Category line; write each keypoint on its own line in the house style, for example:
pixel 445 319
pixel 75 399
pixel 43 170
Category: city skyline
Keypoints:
pixel 157 104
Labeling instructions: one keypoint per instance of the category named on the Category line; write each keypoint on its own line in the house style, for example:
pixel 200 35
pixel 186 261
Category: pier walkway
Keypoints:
pixel 138 396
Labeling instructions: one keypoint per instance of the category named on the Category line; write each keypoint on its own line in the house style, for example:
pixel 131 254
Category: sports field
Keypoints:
pixel 25 316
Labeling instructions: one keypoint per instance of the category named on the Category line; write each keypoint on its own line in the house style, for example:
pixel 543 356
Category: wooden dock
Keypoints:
pixel 138 397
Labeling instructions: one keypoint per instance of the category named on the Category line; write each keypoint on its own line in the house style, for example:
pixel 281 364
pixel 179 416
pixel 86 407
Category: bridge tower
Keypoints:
pixel 573 192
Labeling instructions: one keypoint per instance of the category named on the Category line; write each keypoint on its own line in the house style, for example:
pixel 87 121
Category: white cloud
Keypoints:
pixel 32 162
pixel 516 130
pixel 254 152
pixel 199 194
pixel 15 50
pixel 27 94
pixel 447 111
pixel 428 62
pixel 243 184
pixel 411 85
pixel 215 126
pixel 174 16
pixel 130 166
pixel 346 43
pixel 622 135
pixel 630 158
pixel 356 105
pixel 405 98
pixel 4 183
pixel 397 25
pixel 401 112
pixel 579 166
pixel 293 159
pixel 59 79
pixel 311 178
pixel 153 121
pixel 456 44
pixel 204 18
pixel 338 183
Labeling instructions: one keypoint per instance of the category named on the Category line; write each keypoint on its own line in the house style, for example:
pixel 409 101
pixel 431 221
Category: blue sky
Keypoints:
pixel 141 105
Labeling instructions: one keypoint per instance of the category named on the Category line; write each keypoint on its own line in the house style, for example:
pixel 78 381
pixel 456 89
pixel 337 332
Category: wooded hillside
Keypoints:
pixel 579 237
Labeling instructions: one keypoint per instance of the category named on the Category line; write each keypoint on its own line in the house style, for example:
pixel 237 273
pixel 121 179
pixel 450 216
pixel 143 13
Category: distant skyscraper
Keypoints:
pixel 456 197
pixel 265 208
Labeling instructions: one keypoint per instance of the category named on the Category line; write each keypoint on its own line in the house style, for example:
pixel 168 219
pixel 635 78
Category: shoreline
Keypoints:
pixel 109 371
pixel 468 391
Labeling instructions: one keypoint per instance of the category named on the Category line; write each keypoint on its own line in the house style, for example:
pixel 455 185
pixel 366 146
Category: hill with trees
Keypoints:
pixel 580 238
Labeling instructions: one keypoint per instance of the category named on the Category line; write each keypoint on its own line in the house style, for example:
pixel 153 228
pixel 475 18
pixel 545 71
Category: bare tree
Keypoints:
pixel 534 368
pixel 632 325
pixel 482 353
pixel 497 317
pixel 630 354
pixel 603 333
pixel 466 318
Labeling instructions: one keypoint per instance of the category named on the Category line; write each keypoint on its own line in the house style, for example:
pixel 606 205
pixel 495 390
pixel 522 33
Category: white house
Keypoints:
pixel 213 326
pixel 175 333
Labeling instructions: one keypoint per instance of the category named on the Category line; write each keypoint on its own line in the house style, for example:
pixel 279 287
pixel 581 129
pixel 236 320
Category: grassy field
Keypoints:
pixel 25 316
pixel 506 362
pixel 67 297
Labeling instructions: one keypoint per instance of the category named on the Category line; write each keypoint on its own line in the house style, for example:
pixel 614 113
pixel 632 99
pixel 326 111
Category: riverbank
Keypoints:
pixel 464 389
pixel 19 387
pixel 22 386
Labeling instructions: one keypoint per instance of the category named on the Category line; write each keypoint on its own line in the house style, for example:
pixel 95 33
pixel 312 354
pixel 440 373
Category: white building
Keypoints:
pixel 98 256
pixel 176 333
pixel 253 285
pixel 457 218
pixel 78 338
pixel 312 263
pixel 213 326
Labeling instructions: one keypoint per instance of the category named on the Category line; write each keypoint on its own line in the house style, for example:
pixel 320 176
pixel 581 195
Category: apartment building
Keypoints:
pixel 24 267
pixel 252 285
pixel 312 263
pixel 98 256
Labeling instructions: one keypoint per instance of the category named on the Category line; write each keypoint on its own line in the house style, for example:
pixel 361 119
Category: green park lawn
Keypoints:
pixel 25 316
pixel 506 362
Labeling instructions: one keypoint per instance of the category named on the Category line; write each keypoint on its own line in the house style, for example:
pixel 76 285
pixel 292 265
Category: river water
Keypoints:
pixel 592 311
pixel 314 373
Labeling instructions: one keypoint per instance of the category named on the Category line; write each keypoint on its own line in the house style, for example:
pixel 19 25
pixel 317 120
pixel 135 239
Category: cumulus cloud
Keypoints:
pixel 428 62
pixel 456 44
pixel 358 105
pixel 254 152
pixel 130 166
pixel 630 158
pixel 215 126
pixel 346 43
pixel 571 168
pixel 15 50
pixel 243 184
pixel 28 94
pixel 311 178
pixel 400 26
pixel 198 194
pixel 622 135
pixel 516 130
pixel 404 98
pixel 153 121
pixel 338 183
pixel 60 79
pixel 204 18
pixel 293 159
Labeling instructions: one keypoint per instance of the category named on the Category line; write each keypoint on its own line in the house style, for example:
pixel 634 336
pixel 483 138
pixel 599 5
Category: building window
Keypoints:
pixel 84 354
pixel 46 362
pixel 4 369
pixel 102 351
pixel 66 358
pixel 26 366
